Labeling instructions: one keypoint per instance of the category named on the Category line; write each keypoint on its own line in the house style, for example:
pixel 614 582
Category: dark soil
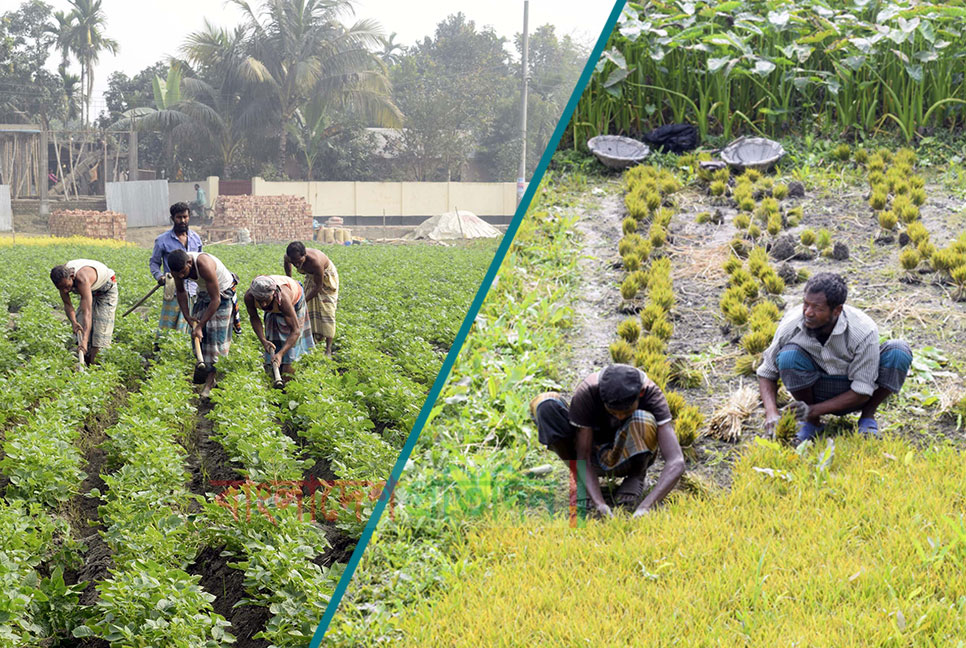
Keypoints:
pixel 207 460
pixel 227 585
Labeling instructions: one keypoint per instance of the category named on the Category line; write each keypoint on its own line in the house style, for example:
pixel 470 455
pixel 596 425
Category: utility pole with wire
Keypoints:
pixel 522 173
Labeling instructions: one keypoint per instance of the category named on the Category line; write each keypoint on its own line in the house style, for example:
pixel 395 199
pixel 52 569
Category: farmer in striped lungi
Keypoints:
pixel 179 237
pixel 97 287
pixel 614 425
pixel 210 318
pixel 829 357
pixel 321 289
pixel 287 333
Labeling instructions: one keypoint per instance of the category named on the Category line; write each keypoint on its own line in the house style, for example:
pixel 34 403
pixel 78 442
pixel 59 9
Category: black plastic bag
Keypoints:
pixel 673 138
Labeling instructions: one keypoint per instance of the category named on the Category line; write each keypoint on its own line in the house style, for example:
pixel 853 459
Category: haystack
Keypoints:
pixel 460 224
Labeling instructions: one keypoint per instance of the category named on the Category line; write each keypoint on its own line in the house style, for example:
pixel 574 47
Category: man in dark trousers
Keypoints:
pixel 614 425
pixel 829 357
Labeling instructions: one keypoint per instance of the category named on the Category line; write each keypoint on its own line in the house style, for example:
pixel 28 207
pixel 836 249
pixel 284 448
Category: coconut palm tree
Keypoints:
pixel 300 49
pixel 391 50
pixel 81 33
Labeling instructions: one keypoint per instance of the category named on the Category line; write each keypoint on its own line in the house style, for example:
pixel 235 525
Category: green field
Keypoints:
pixel 115 521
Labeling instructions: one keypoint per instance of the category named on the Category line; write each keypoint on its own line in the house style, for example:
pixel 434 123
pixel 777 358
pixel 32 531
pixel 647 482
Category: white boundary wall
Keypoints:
pixel 6 214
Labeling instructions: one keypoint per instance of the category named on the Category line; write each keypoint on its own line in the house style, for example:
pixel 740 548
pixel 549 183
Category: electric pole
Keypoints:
pixel 522 173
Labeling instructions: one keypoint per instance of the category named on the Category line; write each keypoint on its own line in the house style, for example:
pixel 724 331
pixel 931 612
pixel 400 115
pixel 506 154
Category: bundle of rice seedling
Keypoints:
pixel 726 422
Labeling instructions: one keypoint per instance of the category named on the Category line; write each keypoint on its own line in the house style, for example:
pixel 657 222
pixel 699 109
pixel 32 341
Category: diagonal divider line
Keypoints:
pixel 464 330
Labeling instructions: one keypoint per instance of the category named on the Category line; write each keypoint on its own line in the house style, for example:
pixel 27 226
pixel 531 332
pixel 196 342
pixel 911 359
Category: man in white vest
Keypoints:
pixel 97 287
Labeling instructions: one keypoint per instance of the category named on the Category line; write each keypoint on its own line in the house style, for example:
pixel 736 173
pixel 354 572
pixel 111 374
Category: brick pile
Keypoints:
pixel 267 218
pixel 92 224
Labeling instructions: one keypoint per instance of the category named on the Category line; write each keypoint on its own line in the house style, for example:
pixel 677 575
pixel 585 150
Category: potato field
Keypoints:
pixel 134 515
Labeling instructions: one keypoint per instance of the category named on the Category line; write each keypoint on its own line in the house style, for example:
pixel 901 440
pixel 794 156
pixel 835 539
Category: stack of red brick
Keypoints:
pixel 267 218
pixel 92 224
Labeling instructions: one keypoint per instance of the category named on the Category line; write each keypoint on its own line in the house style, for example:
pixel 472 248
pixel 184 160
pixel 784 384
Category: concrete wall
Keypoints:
pixel 396 198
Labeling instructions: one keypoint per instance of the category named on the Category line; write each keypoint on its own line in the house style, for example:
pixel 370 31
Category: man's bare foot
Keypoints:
pixel 209 384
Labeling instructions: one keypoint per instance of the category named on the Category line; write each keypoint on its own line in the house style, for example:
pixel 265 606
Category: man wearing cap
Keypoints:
pixel 97 287
pixel 287 333
pixel 617 420
pixel 829 357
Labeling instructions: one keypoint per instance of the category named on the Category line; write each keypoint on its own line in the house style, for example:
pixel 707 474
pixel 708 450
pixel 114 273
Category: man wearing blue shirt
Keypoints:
pixel 179 237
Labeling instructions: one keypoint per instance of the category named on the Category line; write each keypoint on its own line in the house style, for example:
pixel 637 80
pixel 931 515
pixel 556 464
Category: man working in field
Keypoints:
pixel 179 237
pixel 828 356
pixel 287 333
pixel 615 424
pixel 321 289
pixel 210 318
pixel 97 287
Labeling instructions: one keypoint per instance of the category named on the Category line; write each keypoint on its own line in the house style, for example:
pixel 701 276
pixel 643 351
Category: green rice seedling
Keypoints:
pixel 687 426
pixel 636 207
pixel 766 310
pixel 628 243
pixel 878 200
pixel 722 175
pixel 905 156
pixel 651 344
pixel 774 284
pixel 787 427
pixel 746 365
pixel 752 175
pixel 663 217
pixel 917 232
pixel 675 402
pixel 738 247
pixel 925 249
pixel 718 188
pixel 876 163
pixel 959 245
pixel 740 276
pixel 632 261
pixel 885 154
pixel 735 293
pixel 943 260
pixel 824 239
pixel 754 232
pixel 662 295
pixel 917 181
pixel 629 287
pixel 779 191
pixel 757 260
pixel 702 217
pixel 652 200
pixel 755 341
pixel 861 155
pixel 643 249
pixel 887 220
pixel 842 152
pixel 763 325
pixel 909 259
pixel 958 275
pixel 650 314
pixel 662 328
pixel 629 329
pixel 629 225
pixel 736 312
pixel 908 213
pixel 807 237
pixel 661 267
pixel 918 197
pixel 705 175
pixel 732 264
pixel 746 204
pixel 743 190
pixel 741 221
pixel 765 185
pixel 685 375
pixel 770 206
pixel 657 235
pixel 750 288
pixel 902 189
pixel 876 179
pixel 653 363
pixel 621 352
pixel 803 275
pixel 774 224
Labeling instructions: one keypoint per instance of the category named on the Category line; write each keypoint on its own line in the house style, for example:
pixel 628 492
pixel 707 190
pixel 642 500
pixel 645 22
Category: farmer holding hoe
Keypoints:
pixel 828 356
pixel 97 287
pixel 210 318
pixel 179 237
pixel 617 420
pixel 287 333
pixel 321 289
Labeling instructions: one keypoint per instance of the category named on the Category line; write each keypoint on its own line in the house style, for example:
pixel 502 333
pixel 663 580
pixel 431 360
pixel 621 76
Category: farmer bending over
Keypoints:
pixel 97 287
pixel 210 318
pixel 321 289
pixel 829 357
pixel 287 333
pixel 616 421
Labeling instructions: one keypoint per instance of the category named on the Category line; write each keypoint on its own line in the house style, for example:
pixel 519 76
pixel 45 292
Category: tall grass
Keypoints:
pixel 863 544
pixel 764 67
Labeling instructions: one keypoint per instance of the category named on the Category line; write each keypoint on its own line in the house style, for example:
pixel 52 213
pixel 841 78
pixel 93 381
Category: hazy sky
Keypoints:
pixel 149 30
